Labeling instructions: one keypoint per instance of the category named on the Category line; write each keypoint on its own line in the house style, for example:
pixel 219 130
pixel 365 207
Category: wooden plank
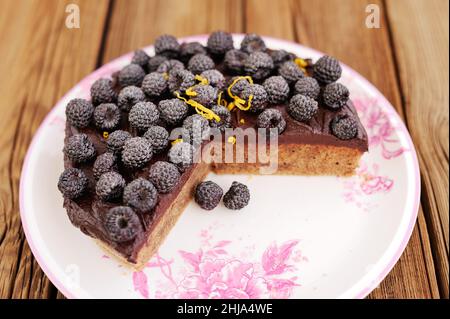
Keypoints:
pixel 421 35
pixel 43 60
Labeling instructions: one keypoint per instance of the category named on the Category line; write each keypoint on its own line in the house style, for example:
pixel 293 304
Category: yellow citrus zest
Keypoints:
pixel 190 91
pixel 200 109
pixel 178 140
pixel 302 64
pixel 239 102
pixel 232 140
pixel 221 101
pixel 202 80
pixel 242 121
pixel 105 135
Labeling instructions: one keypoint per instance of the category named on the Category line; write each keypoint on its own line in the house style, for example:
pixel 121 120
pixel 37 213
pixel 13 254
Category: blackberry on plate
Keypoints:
pixel 234 61
pixel 259 65
pixel 173 111
pixel 140 58
pixel 72 183
pixel 122 224
pixel 107 116
pixel 131 74
pixel 277 89
pixel 271 118
pixel 158 138
pixel 180 80
pixel 344 127
pixel 220 42
pixel 302 108
pixel 237 196
pixel 155 62
pixel 164 176
pixel 290 71
pixel 252 43
pixel 116 140
pixel 170 66
pixel 110 186
pixel 335 95
pixel 327 70
pixel 197 127
pixel 206 95
pixel 189 49
pixel 281 56
pixel 129 96
pixel 215 78
pixel 79 112
pixel 104 163
pixel 225 118
pixel 102 91
pixel 208 195
pixel 79 148
pixel 167 45
pixel 154 84
pixel 308 86
pixel 182 155
pixel 141 195
pixel 143 115
pixel 199 63
pixel 259 95
pixel 136 152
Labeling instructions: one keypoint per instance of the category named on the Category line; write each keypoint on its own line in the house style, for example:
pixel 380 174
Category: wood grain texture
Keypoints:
pixel 420 32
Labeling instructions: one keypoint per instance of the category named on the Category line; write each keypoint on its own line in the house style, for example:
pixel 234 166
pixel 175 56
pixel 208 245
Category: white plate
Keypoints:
pixel 300 237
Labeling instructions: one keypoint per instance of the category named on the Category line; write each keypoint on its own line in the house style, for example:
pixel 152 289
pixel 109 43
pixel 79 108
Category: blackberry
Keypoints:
pixel 122 224
pixel 225 118
pixel 239 86
pixel 136 152
pixel 290 71
pixel 102 91
pixel 208 195
pixel 215 78
pixel 271 118
pixel 107 116
pixel 116 140
pixel 170 66
pixel 167 45
pixel 335 95
pixel 182 155
pixel 131 74
pixel 206 95
pixel 141 195
pixel 79 148
pixel 158 138
pixel 302 108
pixel 197 127
pixel 180 80
pixel 164 175
pixel 252 43
pixel 110 186
pixel 140 58
pixel 258 65
pixel 154 84
pixel 173 111
pixel 129 96
pixel 260 97
pixel 234 61
pixel 277 89
pixel 220 42
pixel 281 56
pixel 143 115
pixel 327 70
pixel 189 49
pixel 237 196
pixel 344 127
pixel 104 163
pixel 72 183
pixel 307 86
pixel 199 63
pixel 79 112
pixel 155 62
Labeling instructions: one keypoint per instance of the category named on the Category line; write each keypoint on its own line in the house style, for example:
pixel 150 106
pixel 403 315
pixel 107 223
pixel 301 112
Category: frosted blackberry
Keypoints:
pixel 110 186
pixel 290 71
pixel 344 127
pixel 116 140
pixel 180 80
pixel 199 63
pixel 327 70
pixel 154 84
pixel 208 195
pixel 302 108
pixel 131 74
pixel 206 95
pixel 122 224
pixel 104 163
pixel 143 115
pixel 167 45
pixel 234 61
pixel 173 111
pixel 79 148
pixel 225 118
pixel 72 183
pixel 155 62
pixel 107 116
pixel 259 65
pixel 271 118
pixel 140 58
pixel 129 96
pixel 308 86
pixel 170 66
pixel 239 86
pixel 259 95
pixel 335 95
pixel 158 138
pixel 197 127
pixel 136 152
pixel 79 112
pixel 237 196
pixel 220 42
pixel 102 91
pixel 164 176
pixel 182 155
pixel 277 89
pixel 189 49
pixel 215 78
pixel 141 195
pixel 253 43
pixel 281 56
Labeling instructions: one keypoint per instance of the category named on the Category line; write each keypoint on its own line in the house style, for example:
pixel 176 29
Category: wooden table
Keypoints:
pixel 406 58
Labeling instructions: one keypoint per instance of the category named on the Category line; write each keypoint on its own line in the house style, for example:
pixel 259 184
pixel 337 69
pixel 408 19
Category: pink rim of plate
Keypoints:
pixel 102 72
